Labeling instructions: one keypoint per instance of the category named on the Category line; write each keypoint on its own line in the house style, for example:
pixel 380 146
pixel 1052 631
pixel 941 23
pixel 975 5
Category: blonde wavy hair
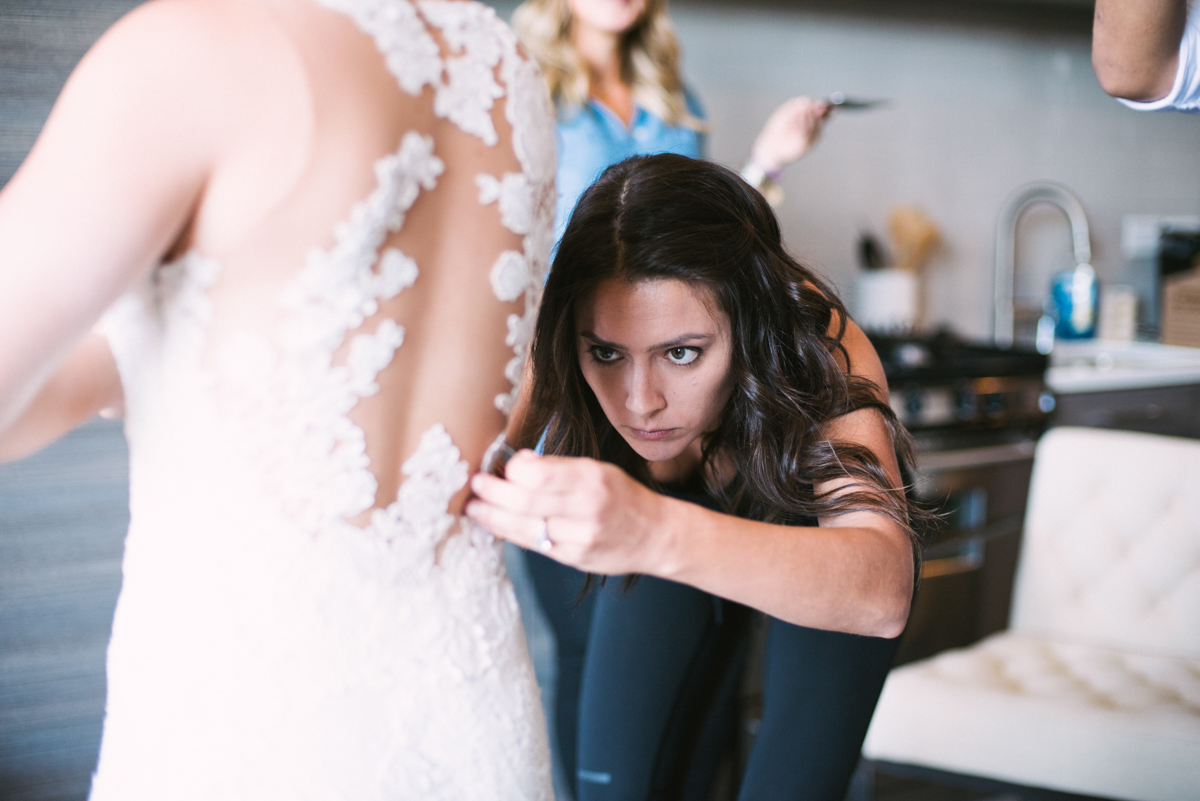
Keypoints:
pixel 649 56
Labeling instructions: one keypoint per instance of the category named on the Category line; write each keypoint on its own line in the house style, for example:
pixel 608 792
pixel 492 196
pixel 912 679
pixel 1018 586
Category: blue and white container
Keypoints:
pixel 1076 295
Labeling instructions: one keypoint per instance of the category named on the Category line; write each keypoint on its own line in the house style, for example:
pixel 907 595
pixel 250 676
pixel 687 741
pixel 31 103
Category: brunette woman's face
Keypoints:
pixel 657 355
pixel 609 16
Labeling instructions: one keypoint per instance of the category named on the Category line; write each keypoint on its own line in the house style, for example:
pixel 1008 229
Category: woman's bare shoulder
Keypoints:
pixel 863 360
pixel 180 47
pixel 168 29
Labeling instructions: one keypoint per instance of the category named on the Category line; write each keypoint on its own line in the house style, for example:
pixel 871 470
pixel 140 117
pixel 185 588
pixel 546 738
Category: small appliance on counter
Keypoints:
pixel 886 301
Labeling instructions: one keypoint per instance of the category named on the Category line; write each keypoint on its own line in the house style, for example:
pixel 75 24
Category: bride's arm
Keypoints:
pixel 104 193
pixel 851 573
pixel 85 384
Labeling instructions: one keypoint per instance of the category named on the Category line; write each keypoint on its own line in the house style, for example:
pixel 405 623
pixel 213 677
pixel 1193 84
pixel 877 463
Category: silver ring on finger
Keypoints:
pixel 544 543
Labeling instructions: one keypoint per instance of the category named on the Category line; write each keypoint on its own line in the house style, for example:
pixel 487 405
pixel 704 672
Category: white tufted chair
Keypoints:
pixel 1095 687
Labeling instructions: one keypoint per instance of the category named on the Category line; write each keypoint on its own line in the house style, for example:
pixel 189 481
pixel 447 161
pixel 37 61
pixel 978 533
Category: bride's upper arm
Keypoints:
pixel 106 190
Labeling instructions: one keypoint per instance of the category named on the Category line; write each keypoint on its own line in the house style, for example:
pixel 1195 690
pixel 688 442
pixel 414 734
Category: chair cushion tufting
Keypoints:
pixel 1111 549
pixel 1049 713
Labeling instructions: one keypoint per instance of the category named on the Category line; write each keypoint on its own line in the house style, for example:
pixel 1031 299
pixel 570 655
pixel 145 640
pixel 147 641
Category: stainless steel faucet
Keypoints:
pixel 1006 238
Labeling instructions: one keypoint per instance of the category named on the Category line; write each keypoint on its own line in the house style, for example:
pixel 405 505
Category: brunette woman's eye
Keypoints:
pixel 603 355
pixel 683 355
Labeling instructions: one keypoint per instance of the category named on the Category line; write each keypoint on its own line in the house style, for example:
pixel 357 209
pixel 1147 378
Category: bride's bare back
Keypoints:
pixel 321 229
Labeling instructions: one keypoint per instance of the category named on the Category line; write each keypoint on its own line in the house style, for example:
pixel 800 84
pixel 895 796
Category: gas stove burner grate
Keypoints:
pixel 945 356
pixel 945 382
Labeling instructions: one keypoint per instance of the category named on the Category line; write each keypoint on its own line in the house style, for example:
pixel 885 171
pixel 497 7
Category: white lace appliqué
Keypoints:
pixel 464 83
pixel 470 88
pixel 418 519
pixel 293 408
pixel 525 200
pixel 409 50
pixel 465 91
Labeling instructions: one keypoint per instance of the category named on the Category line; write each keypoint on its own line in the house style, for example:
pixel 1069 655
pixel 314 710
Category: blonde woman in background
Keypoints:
pixel 612 67
pixel 613 70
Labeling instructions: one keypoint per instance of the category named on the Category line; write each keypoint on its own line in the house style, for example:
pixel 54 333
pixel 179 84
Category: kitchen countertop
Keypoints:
pixel 1098 366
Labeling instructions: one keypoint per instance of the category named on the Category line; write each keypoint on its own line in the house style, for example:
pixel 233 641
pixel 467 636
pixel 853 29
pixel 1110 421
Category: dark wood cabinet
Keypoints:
pixel 1173 411
pixel 970 561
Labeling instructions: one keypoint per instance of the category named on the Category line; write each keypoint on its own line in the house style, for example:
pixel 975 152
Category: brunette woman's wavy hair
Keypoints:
pixel 670 217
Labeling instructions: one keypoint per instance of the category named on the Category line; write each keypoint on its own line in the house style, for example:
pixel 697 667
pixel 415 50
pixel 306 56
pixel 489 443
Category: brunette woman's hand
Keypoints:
pixel 595 516
pixel 789 132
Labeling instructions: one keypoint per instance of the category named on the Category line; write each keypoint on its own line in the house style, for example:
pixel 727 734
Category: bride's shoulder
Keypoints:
pixel 181 65
pixel 168 27
pixel 162 46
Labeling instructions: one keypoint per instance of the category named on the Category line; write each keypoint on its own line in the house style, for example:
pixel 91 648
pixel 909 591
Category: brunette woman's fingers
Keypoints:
pixel 505 494
pixel 538 472
pixel 565 475
pixel 555 537
pixel 518 529
pixel 537 501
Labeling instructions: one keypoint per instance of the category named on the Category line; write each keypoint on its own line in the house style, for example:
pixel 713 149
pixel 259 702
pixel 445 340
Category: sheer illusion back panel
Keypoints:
pixel 336 115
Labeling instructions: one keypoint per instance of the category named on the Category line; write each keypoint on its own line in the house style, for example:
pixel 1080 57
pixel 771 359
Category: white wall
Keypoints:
pixel 978 109
pixel 976 112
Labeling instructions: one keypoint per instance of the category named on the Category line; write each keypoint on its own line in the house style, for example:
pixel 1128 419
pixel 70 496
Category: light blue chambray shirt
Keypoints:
pixel 593 137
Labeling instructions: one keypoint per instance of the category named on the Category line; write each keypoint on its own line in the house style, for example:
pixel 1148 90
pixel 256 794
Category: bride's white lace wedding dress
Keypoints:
pixel 285 629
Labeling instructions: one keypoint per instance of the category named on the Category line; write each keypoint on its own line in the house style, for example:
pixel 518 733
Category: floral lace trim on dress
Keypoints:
pixel 465 90
pixel 518 274
pixel 293 407
pixel 525 199
pixel 296 427
pixel 465 87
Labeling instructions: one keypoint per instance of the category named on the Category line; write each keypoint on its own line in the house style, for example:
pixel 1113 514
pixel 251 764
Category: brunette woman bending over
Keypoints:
pixel 682 355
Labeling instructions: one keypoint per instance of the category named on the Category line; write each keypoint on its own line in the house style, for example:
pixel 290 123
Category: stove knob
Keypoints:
pixel 964 403
pixel 914 403
pixel 995 406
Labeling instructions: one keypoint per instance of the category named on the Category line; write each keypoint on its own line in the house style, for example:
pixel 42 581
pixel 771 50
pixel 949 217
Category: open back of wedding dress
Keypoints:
pixel 304 615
